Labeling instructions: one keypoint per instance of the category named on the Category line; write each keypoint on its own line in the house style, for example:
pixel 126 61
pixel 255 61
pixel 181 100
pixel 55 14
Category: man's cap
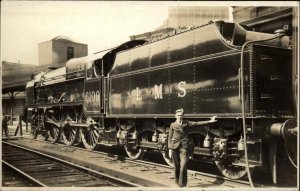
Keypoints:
pixel 179 110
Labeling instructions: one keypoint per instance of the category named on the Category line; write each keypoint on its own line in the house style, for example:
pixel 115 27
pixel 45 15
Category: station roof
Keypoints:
pixel 15 76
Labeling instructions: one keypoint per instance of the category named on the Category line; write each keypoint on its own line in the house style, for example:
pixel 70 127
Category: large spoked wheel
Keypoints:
pixel 167 158
pixel 53 134
pixel 227 168
pixel 231 171
pixel 70 135
pixel 90 137
pixel 134 153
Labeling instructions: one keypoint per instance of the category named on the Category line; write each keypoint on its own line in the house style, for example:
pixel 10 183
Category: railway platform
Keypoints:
pixel 17 132
pixel 148 175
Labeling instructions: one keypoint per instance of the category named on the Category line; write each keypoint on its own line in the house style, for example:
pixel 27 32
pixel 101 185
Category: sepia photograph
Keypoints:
pixel 149 95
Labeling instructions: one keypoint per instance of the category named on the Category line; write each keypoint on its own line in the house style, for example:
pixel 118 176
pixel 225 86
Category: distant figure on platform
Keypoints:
pixel 5 126
pixel 178 145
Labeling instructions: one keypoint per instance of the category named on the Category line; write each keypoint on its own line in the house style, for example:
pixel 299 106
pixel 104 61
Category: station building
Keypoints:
pixel 60 49
pixel 266 19
pixel 184 17
pixel 263 19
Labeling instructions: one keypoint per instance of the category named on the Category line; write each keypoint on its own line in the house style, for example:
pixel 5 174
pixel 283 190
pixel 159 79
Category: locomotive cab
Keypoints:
pixel 96 84
pixel 97 68
pixel 31 93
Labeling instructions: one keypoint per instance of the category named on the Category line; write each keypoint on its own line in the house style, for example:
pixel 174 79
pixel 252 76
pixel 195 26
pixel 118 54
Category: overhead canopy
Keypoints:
pixel 15 87
pixel 15 76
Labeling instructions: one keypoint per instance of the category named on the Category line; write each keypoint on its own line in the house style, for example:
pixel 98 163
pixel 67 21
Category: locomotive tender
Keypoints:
pixel 127 96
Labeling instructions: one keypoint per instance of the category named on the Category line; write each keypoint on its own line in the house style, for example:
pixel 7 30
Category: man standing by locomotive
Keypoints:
pixel 178 145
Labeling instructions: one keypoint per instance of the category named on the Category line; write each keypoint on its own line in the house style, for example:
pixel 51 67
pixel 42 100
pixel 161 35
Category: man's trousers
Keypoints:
pixel 180 160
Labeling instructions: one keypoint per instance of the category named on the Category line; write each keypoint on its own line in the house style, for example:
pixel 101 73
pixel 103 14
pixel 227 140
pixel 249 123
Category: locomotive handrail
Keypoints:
pixel 240 84
pixel 243 99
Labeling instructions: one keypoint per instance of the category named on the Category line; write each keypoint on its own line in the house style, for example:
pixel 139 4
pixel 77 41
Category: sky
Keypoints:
pixel 99 24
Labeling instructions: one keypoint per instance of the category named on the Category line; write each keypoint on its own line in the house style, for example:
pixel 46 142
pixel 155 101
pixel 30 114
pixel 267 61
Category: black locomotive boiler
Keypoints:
pixel 127 96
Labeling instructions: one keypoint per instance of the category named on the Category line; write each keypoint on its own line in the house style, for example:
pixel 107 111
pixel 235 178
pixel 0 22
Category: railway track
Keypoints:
pixel 194 175
pixel 196 178
pixel 10 178
pixel 48 171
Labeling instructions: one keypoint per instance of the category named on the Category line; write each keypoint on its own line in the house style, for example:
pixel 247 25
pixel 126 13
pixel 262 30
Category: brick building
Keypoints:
pixel 60 49
pixel 184 17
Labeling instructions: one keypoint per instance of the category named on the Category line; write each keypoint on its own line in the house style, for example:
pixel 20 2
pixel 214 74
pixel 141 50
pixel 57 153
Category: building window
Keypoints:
pixel 70 53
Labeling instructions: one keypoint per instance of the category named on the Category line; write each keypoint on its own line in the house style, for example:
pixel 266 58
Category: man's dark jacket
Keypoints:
pixel 178 134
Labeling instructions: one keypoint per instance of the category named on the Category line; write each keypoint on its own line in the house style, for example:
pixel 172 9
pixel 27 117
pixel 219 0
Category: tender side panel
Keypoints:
pixel 272 81
pixel 216 86
pixel 139 58
pixel 203 87
pixel 198 42
pixel 182 46
pixel 159 52
pixel 208 42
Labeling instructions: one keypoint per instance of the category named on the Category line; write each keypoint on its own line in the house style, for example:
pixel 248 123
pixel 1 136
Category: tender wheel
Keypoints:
pixel 231 171
pixel 138 152
pixel 70 135
pixel 90 137
pixel 134 153
pixel 226 167
pixel 168 160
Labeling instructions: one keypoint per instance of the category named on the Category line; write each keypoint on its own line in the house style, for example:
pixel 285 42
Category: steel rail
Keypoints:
pixel 151 164
pixel 24 174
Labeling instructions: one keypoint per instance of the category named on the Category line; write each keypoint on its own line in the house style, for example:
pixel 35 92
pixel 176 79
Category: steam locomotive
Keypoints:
pixel 127 96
